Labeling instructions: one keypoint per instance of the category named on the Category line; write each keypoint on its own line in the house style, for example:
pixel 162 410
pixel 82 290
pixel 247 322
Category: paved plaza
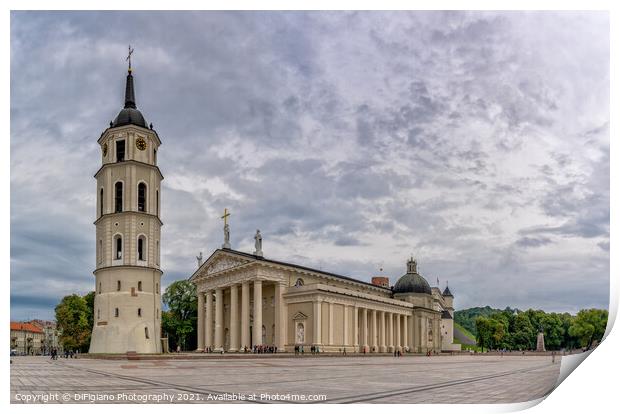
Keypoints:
pixel 265 379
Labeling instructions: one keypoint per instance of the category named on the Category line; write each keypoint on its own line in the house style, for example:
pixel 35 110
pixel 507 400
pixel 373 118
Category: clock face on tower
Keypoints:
pixel 141 144
pixel 105 149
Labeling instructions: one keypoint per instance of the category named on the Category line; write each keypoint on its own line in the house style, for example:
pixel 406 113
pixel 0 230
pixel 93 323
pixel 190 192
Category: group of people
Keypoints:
pixel 68 354
pixel 264 349
pixel 208 350
pixel 314 350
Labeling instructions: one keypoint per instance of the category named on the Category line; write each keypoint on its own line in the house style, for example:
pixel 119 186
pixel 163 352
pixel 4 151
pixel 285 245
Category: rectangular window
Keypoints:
pixel 118 197
pixel 116 312
pixel 120 150
pixel 141 197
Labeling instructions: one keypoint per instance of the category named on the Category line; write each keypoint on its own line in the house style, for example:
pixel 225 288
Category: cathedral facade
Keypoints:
pixel 127 311
pixel 246 300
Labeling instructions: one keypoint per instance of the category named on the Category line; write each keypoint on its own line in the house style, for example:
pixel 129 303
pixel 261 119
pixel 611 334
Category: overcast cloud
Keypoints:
pixel 478 142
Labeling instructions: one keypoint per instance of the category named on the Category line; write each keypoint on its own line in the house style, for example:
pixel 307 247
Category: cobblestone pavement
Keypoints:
pixel 410 379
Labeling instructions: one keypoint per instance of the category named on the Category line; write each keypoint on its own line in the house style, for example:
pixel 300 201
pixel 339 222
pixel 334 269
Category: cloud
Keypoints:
pixel 478 141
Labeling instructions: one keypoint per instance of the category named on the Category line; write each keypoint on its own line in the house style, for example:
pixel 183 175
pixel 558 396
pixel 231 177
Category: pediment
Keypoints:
pixel 218 262
pixel 222 263
pixel 299 316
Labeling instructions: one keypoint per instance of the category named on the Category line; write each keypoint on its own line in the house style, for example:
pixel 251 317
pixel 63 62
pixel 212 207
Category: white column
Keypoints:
pixel 219 319
pixel 345 326
pixel 234 319
pixel 390 336
pixel 245 316
pixel 375 345
pixel 356 333
pixel 257 333
pixel 365 329
pixel 280 317
pixel 330 339
pixel 405 330
pixel 209 319
pixel 316 310
pixel 201 321
pixel 382 331
pixel 397 336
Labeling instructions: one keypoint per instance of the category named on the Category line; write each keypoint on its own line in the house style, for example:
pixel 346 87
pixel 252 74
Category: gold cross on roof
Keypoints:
pixel 225 216
pixel 129 56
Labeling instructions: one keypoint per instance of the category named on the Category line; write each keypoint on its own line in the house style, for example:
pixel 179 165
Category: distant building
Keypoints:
pixel 26 338
pixel 51 339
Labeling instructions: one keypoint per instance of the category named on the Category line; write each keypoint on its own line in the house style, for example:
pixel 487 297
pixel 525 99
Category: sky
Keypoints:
pixel 478 142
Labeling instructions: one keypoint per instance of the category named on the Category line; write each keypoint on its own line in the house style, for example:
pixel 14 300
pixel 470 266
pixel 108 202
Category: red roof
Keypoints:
pixel 25 326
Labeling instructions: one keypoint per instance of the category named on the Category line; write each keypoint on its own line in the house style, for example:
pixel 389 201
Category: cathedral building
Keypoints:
pixel 246 300
pixel 127 312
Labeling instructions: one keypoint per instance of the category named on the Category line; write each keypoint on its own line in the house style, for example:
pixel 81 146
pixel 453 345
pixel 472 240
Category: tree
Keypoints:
pixel 589 326
pixel 554 330
pixel 483 332
pixel 72 318
pixel 501 334
pixel 180 320
pixel 490 332
pixel 90 307
pixel 523 332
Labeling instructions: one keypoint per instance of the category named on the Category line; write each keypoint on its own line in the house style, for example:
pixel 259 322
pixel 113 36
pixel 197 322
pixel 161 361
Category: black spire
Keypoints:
pixel 130 97
pixel 129 115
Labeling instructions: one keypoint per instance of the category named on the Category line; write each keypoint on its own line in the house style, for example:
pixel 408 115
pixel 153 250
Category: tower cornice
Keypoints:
pixel 127 212
pixel 104 134
pixel 99 269
pixel 126 162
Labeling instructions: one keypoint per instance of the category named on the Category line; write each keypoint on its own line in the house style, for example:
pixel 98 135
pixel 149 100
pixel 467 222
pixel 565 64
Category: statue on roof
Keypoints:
pixel 258 244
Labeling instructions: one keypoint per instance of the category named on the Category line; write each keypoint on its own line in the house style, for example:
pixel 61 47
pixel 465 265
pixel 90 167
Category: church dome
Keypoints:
pixel 129 115
pixel 412 282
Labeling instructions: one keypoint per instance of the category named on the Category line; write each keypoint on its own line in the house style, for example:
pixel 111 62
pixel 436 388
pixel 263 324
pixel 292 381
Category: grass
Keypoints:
pixel 466 347
pixel 465 331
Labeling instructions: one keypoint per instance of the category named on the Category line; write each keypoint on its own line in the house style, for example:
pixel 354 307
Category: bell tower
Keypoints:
pixel 127 313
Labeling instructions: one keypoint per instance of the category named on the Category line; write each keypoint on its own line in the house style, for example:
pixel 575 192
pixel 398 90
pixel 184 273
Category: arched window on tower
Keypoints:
pixel 141 197
pixel 157 201
pixel 118 247
pixel 118 197
pixel 140 286
pixel 141 248
pixel 101 202
pixel 154 156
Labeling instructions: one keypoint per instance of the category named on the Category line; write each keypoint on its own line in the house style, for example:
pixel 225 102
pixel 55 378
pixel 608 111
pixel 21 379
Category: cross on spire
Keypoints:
pixel 130 51
pixel 225 216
